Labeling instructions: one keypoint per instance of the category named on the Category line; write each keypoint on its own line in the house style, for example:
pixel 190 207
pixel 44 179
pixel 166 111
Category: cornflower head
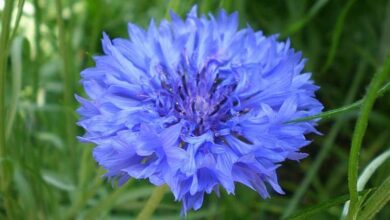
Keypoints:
pixel 198 105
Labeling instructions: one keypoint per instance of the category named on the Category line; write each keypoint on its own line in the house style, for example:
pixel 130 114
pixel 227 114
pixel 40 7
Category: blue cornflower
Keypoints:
pixel 198 105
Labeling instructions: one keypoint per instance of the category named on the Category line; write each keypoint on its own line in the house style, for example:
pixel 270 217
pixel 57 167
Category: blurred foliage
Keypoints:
pixel 55 177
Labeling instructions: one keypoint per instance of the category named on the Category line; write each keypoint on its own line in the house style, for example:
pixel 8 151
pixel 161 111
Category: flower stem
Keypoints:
pixel 152 203
pixel 343 109
pixel 5 172
pixel 358 134
pixel 326 147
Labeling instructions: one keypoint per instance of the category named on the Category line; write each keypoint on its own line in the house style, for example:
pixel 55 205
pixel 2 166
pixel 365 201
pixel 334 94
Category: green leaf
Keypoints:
pixel 371 168
pixel 57 181
pixel 105 204
pixel 134 194
pixel 312 210
pixel 358 134
pixel 330 113
pixel 367 173
pixel 347 108
pixel 307 212
pixel 376 201
pixel 326 146
pixel 18 17
pixel 337 34
pixel 17 64
pixel 152 203
pixel 298 25
pixel 28 203
pixel 51 138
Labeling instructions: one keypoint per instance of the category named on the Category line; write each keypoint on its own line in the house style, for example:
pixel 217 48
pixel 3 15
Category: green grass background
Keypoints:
pixel 47 174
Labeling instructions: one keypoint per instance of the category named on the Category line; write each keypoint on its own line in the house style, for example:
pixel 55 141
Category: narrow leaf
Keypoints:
pixel 377 201
pixel 312 210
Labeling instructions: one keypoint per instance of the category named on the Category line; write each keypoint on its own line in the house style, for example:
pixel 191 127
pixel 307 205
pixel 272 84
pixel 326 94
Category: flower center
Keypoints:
pixel 201 106
pixel 199 98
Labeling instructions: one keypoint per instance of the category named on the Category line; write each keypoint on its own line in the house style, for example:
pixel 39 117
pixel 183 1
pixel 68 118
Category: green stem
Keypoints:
pixel 152 203
pixel 83 196
pixel 17 69
pixel 340 110
pixel 16 61
pixel 18 17
pixel 377 201
pixel 105 205
pixel 326 147
pixel 4 51
pixel 358 134
pixel 65 48
pixel 38 53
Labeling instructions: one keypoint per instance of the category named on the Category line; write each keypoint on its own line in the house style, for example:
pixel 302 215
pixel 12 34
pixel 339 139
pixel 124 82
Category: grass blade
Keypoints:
pixel 106 203
pixel 18 17
pixel 5 173
pixel 65 52
pixel 312 210
pixel 304 214
pixel 16 62
pixel 367 173
pixel 296 26
pixel 337 34
pixel 358 134
pixel 377 201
